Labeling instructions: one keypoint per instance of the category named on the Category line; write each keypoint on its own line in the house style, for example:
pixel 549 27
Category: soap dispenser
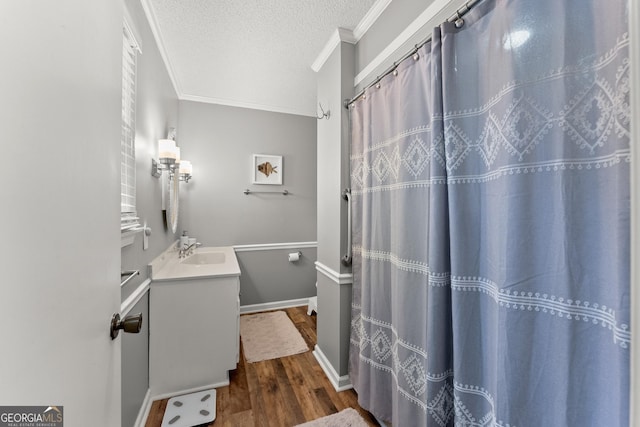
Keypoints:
pixel 184 240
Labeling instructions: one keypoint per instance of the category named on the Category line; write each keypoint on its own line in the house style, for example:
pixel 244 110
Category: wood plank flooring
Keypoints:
pixel 279 392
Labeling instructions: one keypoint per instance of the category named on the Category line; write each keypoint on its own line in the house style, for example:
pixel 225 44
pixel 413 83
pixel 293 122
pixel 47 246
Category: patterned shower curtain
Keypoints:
pixel 490 183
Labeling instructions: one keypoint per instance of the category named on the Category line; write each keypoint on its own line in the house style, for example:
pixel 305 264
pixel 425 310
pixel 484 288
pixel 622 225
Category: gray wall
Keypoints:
pixel 395 19
pixel 335 83
pixel 220 140
pixel 156 111
pixel 135 365
pixel 269 276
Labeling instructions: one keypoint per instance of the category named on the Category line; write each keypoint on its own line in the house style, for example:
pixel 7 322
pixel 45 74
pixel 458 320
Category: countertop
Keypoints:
pixel 168 266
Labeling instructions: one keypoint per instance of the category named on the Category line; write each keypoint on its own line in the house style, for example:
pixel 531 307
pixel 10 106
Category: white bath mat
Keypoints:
pixel 190 410
pixel 269 336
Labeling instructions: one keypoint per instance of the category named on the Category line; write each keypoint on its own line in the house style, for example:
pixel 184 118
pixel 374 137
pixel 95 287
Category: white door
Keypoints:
pixel 60 85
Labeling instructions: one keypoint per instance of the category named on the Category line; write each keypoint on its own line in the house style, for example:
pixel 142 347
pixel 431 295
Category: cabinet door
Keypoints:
pixel 193 341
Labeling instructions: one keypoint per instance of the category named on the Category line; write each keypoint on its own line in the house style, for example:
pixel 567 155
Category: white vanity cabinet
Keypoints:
pixel 193 332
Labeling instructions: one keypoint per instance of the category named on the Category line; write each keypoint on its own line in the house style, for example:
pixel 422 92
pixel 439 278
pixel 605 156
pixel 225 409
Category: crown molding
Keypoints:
pixel 243 104
pixel 339 35
pixel 157 35
pixel 433 10
pixel 370 18
pixel 353 37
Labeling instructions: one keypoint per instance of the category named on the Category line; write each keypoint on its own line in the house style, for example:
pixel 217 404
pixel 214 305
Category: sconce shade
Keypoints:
pixel 186 167
pixel 177 154
pixel 167 151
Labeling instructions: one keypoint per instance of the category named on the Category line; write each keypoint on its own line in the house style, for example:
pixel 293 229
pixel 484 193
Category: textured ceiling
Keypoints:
pixel 250 53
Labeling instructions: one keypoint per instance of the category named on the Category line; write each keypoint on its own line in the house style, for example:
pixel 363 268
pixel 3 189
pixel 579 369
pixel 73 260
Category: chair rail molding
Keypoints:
pixel 339 278
pixel 274 246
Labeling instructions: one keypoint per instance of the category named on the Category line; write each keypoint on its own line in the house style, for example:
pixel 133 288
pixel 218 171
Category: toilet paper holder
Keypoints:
pixel 295 256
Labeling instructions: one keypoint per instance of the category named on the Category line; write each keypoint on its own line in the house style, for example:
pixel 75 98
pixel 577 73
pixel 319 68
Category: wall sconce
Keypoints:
pixel 185 170
pixel 169 160
pixel 168 152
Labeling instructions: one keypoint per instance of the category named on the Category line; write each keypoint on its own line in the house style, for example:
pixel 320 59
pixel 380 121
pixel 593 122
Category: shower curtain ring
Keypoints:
pixel 459 22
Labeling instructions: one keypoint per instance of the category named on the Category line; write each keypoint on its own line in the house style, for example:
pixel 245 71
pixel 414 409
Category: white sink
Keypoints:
pixel 206 262
pixel 205 258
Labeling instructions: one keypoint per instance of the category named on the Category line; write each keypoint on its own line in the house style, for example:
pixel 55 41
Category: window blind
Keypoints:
pixel 128 216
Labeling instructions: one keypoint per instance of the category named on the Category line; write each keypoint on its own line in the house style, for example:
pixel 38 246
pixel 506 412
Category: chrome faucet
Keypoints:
pixel 188 250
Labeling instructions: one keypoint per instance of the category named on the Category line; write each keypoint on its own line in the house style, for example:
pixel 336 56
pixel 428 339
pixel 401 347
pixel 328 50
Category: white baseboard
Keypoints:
pixel 143 414
pixel 340 383
pixel 145 409
pixel 276 305
pixel 191 390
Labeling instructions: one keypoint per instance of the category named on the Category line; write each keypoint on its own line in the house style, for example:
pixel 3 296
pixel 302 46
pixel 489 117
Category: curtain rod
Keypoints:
pixel 455 18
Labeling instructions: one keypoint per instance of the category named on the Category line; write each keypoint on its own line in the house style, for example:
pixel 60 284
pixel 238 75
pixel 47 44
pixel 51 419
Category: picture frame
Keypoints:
pixel 266 169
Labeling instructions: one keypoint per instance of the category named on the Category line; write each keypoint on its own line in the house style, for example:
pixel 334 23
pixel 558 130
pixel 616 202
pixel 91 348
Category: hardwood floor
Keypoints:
pixel 279 392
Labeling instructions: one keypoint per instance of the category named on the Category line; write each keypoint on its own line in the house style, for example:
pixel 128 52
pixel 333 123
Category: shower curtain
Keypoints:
pixel 490 184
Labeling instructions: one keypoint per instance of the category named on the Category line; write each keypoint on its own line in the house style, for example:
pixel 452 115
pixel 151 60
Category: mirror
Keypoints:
pixel 170 196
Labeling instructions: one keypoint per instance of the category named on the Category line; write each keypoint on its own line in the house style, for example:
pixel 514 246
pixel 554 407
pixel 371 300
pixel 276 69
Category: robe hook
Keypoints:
pixel 326 114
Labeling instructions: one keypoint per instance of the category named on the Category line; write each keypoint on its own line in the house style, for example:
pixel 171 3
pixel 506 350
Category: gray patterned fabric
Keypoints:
pixel 490 183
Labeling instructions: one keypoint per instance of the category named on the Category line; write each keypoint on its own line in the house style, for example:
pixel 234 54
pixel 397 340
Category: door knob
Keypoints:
pixel 130 324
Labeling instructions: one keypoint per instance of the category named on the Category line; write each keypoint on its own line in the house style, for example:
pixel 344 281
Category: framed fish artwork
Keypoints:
pixel 267 169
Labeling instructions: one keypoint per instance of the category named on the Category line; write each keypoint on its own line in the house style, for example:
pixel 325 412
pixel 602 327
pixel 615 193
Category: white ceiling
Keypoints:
pixel 250 53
